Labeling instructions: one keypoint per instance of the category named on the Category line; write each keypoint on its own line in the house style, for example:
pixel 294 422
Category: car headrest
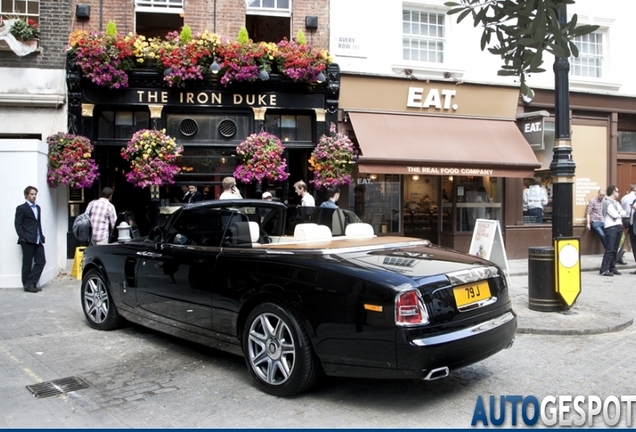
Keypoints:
pixel 311 232
pixel 359 229
pixel 254 231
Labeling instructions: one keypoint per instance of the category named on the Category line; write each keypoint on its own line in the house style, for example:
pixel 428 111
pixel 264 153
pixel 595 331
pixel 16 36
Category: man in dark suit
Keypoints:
pixel 28 225
pixel 195 195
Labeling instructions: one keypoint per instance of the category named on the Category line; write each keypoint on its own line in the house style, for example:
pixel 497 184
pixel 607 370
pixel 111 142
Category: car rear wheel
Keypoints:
pixel 278 352
pixel 97 303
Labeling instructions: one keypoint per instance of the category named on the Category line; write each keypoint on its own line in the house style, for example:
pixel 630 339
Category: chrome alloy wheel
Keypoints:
pixel 271 349
pixel 96 300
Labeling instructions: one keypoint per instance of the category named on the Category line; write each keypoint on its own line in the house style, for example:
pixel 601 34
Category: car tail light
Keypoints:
pixel 409 309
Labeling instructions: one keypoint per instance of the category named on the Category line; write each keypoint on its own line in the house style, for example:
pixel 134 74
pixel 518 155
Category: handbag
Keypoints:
pixel 82 227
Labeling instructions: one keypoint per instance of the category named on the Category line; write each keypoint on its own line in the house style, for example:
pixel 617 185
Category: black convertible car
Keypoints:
pixel 300 293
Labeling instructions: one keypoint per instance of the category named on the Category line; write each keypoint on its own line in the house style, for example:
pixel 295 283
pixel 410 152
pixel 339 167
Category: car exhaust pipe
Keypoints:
pixel 438 373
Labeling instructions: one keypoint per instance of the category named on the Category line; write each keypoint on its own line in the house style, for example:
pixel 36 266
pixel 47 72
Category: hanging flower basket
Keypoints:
pixel 261 158
pixel 332 160
pixel 152 155
pixel 70 161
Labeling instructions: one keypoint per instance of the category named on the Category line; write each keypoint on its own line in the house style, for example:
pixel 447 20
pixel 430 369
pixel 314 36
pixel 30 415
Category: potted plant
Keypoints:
pixel 260 157
pixel 152 155
pixel 70 161
pixel 332 160
pixel 25 30
pixel 299 61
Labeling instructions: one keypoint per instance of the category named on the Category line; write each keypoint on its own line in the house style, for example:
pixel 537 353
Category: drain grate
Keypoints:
pixel 57 387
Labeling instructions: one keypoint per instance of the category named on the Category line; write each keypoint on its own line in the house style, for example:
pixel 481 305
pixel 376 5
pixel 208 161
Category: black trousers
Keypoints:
pixel 612 237
pixel 33 261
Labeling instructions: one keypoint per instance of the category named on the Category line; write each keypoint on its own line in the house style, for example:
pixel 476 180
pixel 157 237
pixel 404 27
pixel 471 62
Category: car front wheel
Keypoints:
pixel 97 303
pixel 278 352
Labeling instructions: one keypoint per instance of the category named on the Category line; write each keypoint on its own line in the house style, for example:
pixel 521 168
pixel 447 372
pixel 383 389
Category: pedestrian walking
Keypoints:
pixel 28 226
pixel 613 225
pixel 103 217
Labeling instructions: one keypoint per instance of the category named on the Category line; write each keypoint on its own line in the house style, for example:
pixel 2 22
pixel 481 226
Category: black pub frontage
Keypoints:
pixel 209 120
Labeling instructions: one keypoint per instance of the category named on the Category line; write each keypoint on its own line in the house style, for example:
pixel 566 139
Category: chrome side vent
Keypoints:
pixel 472 275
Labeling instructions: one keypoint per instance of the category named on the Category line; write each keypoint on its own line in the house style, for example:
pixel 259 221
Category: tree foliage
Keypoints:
pixel 524 30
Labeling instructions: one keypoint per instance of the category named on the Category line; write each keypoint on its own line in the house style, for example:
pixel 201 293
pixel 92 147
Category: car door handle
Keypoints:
pixel 149 254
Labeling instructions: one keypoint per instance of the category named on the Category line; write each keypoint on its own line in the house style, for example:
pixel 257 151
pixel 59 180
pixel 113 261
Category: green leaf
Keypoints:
pixel 463 15
pixel 574 49
pixel 451 4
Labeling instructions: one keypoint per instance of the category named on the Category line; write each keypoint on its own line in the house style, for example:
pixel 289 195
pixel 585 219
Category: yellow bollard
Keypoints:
pixel 77 262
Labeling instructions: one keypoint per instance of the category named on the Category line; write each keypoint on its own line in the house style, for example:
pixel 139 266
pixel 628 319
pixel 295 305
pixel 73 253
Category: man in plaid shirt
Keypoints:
pixel 103 217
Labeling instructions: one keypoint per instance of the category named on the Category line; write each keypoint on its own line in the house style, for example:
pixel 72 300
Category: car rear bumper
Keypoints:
pixel 418 356
pixel 455 349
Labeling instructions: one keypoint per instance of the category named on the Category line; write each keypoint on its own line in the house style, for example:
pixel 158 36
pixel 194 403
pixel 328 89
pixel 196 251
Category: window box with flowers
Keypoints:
pixel 333 160
pixel 106 58
pixel 19 35
pixel 261 157
pixel 152 155
pixel 70 161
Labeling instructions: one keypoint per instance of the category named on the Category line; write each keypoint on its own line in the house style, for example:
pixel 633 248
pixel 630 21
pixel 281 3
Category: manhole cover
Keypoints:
pixel 57 387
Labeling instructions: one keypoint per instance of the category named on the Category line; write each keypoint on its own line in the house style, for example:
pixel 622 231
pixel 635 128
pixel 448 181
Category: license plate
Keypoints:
pixel 467 294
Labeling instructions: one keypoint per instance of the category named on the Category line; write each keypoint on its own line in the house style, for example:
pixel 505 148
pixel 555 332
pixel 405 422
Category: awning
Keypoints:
pixel 407 144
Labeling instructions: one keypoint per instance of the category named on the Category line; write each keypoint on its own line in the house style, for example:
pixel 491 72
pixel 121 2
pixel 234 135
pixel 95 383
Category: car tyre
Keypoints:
pixel 97 303
pixel 278 352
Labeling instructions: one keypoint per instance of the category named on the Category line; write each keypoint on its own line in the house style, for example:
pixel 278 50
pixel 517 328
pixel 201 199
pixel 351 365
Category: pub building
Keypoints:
pixel 210 120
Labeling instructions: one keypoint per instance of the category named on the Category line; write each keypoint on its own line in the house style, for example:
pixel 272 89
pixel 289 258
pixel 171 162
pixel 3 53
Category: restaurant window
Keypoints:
pixel 589 63
pixel 375 198
pixel 268 20
pixel 156 18
pixel 22 9
pixel 536 191
pixel 289 128
pixel 473 198
pixel 423 36
pixel 121 124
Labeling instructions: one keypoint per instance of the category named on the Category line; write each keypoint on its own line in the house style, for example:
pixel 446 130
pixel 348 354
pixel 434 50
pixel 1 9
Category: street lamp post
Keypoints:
pixel 562 166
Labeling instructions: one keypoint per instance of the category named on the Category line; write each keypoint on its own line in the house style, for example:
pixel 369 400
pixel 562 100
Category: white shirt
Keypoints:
pixel 614 214
pixel 229 195
pixel 308 201
pixel 535 197
pixel 626 202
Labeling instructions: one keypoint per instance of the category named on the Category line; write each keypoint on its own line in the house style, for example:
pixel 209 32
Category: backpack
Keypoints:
pixel 82 227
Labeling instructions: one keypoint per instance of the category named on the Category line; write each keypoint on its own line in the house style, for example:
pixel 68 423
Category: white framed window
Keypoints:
pixel 23 9
pixel 156 18
pixel 589 63
pixel 423 36
pixel 268 7
pixel 158 6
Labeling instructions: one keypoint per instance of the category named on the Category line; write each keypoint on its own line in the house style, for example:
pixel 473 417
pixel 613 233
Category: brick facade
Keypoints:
pixel 224 17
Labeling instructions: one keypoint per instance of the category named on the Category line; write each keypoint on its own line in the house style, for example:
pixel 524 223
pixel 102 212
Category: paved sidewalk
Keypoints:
pixel 596 310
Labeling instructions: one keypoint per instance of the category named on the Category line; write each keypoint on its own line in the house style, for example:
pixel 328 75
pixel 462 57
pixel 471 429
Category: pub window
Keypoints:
pixel 156 18
pixel 423 36
pixel 289 128
pixel 22 9
pixel 375 199
pixel 121 124
pixel 268 20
